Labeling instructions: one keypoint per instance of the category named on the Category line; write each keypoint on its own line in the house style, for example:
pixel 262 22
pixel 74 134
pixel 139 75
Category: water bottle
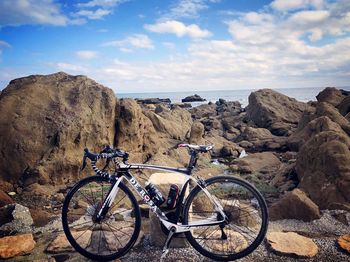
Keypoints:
pixel 155 194
pixel 172 196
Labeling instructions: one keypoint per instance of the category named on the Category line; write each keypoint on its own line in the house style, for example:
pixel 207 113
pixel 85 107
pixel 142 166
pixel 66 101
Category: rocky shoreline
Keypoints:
pixel 297 156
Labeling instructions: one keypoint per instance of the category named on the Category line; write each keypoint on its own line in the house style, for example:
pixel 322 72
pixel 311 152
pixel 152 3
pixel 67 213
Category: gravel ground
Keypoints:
pixel 323 231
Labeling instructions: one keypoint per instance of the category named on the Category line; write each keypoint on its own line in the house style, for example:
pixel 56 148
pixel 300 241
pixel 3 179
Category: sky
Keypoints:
pixel 135 46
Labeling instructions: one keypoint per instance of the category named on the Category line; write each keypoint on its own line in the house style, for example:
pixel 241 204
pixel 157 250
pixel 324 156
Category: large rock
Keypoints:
pixel 163 181
pixel 314 127
pixel 344 106
pixel 12 246
pixel 260 139
pixel 323 170
pixel 47 121
pixel 274 111
pixel 331 95
pixel 295 205
pixel 194 98
pixel 265 162
pixel 291 244
pixel 202 111
pixel 18 219
pixel 325 109
pixel 60 243
pixel 135 132
pixel 197 133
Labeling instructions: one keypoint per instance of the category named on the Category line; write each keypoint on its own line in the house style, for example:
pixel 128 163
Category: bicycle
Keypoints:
pixel 223 217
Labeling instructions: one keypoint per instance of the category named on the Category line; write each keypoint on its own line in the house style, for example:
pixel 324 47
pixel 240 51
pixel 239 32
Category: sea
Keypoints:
pixel 300 94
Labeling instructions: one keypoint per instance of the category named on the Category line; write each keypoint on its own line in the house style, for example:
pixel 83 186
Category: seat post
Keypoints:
pixel 193 160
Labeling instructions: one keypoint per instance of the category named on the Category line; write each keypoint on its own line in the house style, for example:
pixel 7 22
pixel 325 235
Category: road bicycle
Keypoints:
pixel 223 217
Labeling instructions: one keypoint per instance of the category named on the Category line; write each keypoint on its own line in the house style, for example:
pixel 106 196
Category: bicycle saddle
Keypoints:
pixel 198 148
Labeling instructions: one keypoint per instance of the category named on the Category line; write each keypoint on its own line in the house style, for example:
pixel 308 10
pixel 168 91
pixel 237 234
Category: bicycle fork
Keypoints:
pixel 108 201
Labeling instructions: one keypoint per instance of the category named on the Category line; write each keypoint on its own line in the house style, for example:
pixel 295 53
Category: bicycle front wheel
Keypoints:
pixel 245 209
pixel 105 239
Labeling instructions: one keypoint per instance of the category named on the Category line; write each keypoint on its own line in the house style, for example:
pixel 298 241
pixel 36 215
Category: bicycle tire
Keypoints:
pixel 260 236
pixel 72 240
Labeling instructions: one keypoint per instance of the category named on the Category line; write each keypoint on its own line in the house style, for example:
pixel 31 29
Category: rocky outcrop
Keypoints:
pixel 12 246
pixel 332 96
pixel 295 205
pixel 194 98
pixel 153 100
pixel 323 142
pixel 46 121
pixel 274 111
pixel 291 244
pixel 323 163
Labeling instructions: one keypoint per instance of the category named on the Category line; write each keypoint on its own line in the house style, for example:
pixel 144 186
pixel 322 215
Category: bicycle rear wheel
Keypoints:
pixel 247 218
pixel 113 236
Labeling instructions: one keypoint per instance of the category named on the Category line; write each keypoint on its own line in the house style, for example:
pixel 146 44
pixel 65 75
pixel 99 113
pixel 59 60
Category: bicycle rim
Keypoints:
pixel 247 218
pixel 109 238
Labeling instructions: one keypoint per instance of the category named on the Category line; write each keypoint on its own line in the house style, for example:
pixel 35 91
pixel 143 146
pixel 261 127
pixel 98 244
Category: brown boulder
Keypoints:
pixel 295 205
pixel 274 111
pixel 12 246
pixel 5 199
pixel 197 133
pixel 48 120
pixel 261 139
pixel 344 106
pixel 134 131
pixel 265 162
pixel 325 109
pixel 323 170
pixel 314 127
pixel 331 95
pixel 344 242
pixel 202 111
pixel 60 243
pixel 291 244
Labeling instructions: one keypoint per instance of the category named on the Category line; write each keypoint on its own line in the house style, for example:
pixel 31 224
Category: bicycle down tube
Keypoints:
pixel 124 172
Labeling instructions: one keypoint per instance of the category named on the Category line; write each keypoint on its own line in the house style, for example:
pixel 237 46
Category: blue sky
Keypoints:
pixel 158 45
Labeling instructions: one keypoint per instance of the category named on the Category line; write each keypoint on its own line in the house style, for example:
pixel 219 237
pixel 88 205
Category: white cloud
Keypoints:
pixel 135 41
pixel 72 68
pixel 169 45
pixel 93 15
pixel 20 12
pixel 101 3
pixel 96 9
pixel 267 49
pixel 187 9
pixel 179 29
pixel 4 44
pixel 306 17
pixel 287 5
pixel 86 54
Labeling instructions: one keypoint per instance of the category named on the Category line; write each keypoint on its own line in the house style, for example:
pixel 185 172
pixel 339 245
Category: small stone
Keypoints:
pixel 344 242
pixel 11 193
pixel 291 244
pixel 12 246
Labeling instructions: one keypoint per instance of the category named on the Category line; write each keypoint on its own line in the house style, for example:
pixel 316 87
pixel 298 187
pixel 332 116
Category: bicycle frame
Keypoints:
pixel 123 173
